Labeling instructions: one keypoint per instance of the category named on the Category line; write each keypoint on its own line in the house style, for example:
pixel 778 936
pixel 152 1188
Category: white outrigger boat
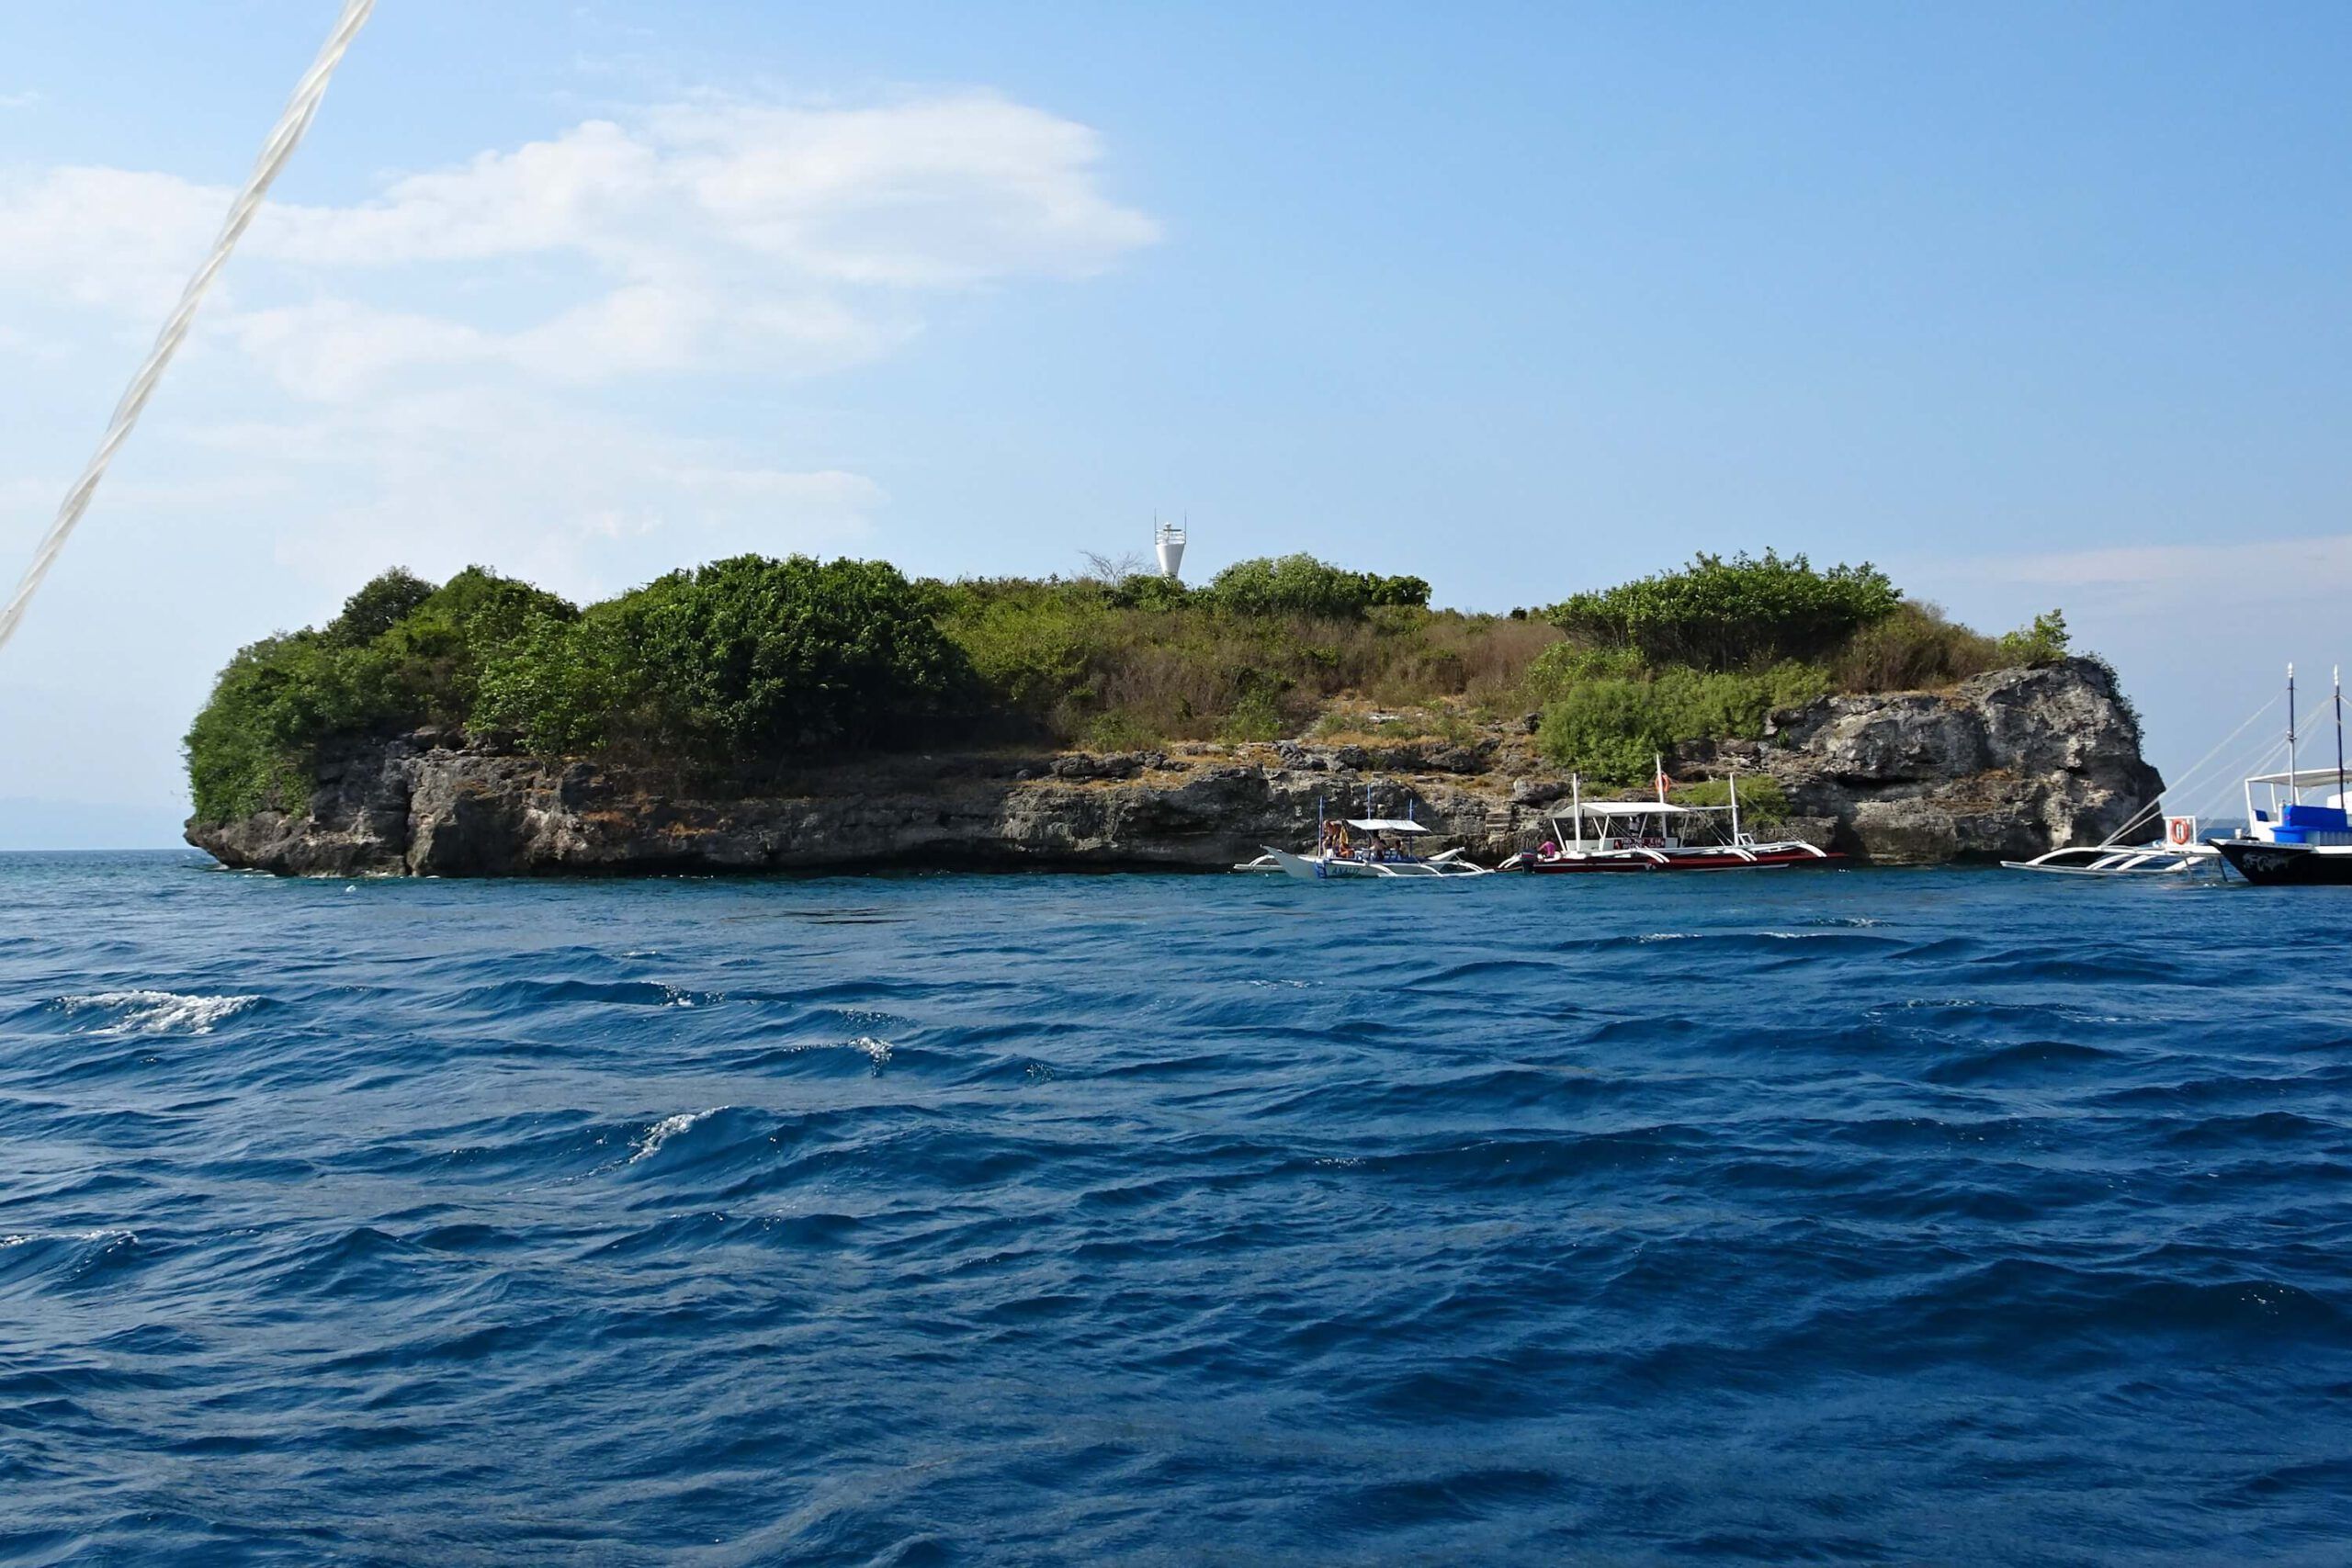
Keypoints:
pixel 1386 851
pixel 2180 852
pixel 2176 855
pixel 1658 835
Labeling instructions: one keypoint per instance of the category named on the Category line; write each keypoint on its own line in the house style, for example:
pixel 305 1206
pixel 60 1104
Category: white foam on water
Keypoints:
pixel 158 1012
pixel 669 1127
pixel 877 1051
pixel 23 1238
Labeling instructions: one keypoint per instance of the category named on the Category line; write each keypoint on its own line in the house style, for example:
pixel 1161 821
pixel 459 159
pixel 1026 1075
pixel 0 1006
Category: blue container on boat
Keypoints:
pixel 2296 823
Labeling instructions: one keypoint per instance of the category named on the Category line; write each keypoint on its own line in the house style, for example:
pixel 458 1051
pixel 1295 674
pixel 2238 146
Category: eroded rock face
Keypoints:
pixel 2004 766
pixel 2007 765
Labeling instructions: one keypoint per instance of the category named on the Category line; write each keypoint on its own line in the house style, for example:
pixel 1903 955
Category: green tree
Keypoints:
pixel 1302 585
pixel 1729 614
pixel 377 606
pixel 2044 642
pixel 751 655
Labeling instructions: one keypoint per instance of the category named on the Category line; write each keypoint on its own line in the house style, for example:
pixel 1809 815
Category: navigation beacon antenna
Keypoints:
pixel 1169 538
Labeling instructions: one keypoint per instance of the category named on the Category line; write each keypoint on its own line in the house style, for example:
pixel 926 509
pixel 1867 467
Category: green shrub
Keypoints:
pixel 1564 665
pixel 1913 647
pixel 1762 802
pixel 376 607
pixel 1119 731
pixel 253 744
pixel 1030 646
pixel 2044 642
pixel 1257 716
pixel 1608 729
pixel 751 656
pixel 1149 591
pixel 1301 585
pixel 1729 614
pixel 1613 728
pixel 562 687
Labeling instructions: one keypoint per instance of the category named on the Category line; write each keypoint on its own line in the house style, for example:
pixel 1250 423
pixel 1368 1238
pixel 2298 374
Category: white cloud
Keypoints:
pixel 24 100
pixel 791 239
pixel 114 239
pixel 425 361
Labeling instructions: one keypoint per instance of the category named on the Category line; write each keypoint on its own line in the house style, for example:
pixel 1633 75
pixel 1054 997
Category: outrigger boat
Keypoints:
pixel 1660 835
pixel 2177 851
pixel 1386 851
pixel 2289 843
pixel 2177 854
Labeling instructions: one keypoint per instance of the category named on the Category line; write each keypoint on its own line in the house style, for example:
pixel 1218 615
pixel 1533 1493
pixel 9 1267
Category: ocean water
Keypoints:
pixel 1936 1217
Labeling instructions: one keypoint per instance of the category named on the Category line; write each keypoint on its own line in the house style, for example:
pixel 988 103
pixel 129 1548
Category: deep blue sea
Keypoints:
pixel 1949 1217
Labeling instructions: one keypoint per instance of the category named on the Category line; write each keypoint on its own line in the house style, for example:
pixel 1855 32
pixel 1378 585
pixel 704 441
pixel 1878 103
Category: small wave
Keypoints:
pixel 25 1238
pixel 157 1012
pixel 877 1051
pixel 669 1127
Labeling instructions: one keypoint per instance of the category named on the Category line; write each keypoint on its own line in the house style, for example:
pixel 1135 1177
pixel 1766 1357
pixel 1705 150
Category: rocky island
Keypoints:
pixel 787 715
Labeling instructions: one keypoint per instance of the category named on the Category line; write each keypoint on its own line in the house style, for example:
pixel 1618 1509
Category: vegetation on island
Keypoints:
pixel 754 659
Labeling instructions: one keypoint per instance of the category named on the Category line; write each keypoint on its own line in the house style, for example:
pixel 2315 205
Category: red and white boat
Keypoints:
pixel 1658 835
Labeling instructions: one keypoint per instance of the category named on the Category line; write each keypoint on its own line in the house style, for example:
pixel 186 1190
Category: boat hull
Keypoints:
pixel 2286 865
pixel 1332 868
pixel 1619 862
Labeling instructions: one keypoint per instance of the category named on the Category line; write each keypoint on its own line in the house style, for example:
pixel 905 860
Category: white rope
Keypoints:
pixel 283 139
pixel 2181 784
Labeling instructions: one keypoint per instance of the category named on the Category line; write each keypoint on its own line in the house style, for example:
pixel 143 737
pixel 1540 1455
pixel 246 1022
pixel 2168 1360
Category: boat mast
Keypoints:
pixel 1576 797
pixel 2292 793
pixel 1731 778
pixel 2339 738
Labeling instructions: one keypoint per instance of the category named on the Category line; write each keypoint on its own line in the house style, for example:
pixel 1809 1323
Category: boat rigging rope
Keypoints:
pixel 295 119
pixel 2181 784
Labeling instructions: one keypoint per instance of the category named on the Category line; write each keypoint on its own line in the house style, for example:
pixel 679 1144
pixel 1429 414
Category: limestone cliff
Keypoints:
pixel 2007 763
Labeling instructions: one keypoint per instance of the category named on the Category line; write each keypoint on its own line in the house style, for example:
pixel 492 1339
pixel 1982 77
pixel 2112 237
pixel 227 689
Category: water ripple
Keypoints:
pixel 1901 1217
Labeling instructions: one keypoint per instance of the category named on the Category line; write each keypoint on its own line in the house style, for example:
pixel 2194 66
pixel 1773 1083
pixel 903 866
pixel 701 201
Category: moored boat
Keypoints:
pixel 1602 836
pixel 2165 857
pixel 1366 847
pixel 2289 842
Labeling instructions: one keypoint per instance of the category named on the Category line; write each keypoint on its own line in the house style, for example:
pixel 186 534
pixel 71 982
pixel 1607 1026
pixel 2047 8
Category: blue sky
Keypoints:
pixel 2033 305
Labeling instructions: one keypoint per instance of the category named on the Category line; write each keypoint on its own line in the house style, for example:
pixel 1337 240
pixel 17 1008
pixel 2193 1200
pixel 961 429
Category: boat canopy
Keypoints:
pixel 2301 778
pixel 1385 825
pixel 1630 808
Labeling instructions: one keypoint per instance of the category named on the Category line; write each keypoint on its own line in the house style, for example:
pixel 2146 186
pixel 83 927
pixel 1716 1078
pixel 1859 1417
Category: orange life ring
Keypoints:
pixel 2179 829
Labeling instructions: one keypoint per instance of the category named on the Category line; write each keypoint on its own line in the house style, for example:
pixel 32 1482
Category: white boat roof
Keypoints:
pixel 2301 778
pixel 1628 808
pixel 1385 825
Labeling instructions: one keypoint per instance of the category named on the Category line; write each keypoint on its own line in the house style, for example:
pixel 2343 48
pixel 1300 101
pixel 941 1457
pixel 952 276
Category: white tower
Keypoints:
pixel 1171 542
